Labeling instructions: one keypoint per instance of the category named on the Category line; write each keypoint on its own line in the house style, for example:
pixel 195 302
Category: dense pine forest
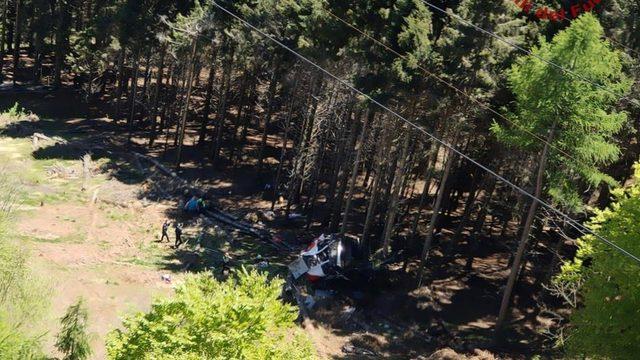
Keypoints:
pixel 482 154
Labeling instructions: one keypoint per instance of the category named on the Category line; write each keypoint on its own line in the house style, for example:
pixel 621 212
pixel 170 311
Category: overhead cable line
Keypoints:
pixel 579 227
pixel 449 84
pixel 622 45
pixel 455 88
pixel 518 47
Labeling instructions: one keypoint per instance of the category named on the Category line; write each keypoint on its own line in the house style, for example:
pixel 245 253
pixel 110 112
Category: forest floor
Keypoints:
pixel 101 244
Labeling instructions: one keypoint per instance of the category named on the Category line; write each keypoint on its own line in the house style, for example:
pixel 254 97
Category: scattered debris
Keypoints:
pixel 268 215
pixel 450 354
pixel 294 216
pixel 161 167
pixel 252 217
pixel 287 238
pixel 37 137
pixel 323 294
pixel 309 302
pixel 295 291
pixel 94 197
pixel 347 312
pixel 86 170
pixel 354 350
pixel 60 171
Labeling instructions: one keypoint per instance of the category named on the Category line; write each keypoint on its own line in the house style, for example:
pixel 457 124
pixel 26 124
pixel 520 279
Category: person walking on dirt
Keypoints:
pixel 165 231
pixel 178 228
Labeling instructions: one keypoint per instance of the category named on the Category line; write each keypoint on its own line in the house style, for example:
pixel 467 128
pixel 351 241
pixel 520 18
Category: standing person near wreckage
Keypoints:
pixel 178 230
pixel 165 231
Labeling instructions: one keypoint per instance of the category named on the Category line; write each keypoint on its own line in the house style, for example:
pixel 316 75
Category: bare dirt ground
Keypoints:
pixel 98 252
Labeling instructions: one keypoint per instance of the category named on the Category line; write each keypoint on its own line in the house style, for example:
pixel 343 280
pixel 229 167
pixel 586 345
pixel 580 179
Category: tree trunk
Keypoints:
pixel 207 101
pixel 354 172
pixel 239 116
pixel 342 174
pixel 147 77
pixel 273 85
pixel 377 184
pixel 436 210
pixel 520 252
pixel 119 76
pixel 309 123
pixel 246 120
pixel 433 153
pixel 37 66
pixel 40 31
pixel 179 82
pixel 156 97
pixel 185 112
pixel 315 181
pixel 3 35
pixel 222 108
pixel 16 41
pixel 134 89
pixel 283 151
pixel 395 195
pixel 62 35
pixel 468 206
pixel 474 241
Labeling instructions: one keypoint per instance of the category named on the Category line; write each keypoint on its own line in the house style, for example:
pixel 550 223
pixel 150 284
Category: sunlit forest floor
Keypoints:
pixel 101 243
pixel 103 252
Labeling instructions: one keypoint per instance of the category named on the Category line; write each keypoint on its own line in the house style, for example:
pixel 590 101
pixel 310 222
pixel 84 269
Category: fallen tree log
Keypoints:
pixel 39 136
pixel 304 313
pixel 162 168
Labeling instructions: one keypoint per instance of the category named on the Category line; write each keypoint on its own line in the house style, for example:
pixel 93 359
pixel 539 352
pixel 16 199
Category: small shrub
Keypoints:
pixel 16 111
pixel 23 299
pixel 73 341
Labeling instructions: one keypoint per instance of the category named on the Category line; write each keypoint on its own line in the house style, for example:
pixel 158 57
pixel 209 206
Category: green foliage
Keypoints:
pixel 606 325
pixel 477 61
pixel 193 24
pixel 583 114
pixel 73 340
pixel 15 112
pixel 22 299
pixel 89 58
pixel 238 319
pixel 404 25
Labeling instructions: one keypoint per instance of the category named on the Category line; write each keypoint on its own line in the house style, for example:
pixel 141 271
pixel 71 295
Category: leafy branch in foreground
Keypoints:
pixel 242 318
pixel 22 300
pixel 606 324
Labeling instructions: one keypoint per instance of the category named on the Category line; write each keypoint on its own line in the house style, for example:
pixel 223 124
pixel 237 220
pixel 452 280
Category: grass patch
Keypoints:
pixel 120 215
pixel 148 255
pixel 30 175
pixel 73 238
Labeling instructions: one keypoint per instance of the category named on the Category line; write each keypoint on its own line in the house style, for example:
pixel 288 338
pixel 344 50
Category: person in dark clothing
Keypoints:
pixel 165 231
pixel 201 205
pixel 178 228
pixel 224 270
